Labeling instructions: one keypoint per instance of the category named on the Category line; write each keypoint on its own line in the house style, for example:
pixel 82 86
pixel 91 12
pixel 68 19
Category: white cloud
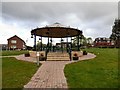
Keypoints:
pixel 8 31
pixel 43 24
pixel 94 19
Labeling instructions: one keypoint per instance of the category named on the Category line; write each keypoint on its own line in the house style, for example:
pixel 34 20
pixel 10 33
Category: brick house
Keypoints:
pixel 16 42
pixel 103 42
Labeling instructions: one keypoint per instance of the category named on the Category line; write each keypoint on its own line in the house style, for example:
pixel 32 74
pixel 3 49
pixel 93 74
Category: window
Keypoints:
pixel 13 41
pixel 112 43
pixel 99 41
pixel 13 46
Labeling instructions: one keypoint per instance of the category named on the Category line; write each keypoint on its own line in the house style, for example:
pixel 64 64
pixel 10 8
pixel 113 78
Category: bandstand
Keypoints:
pixel 56 30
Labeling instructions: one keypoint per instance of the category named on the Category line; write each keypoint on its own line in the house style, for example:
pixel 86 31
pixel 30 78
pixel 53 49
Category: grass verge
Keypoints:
pixel 100 72
pixel 13 52
pixel 15 73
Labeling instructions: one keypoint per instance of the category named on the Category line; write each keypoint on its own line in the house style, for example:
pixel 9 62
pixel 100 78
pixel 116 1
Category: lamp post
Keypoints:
pixel 37 53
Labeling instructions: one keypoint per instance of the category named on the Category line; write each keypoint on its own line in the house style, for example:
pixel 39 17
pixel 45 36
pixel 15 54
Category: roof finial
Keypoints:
pixel 57 23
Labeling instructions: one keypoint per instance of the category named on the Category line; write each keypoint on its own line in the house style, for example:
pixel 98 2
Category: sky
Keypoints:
pixel 95 19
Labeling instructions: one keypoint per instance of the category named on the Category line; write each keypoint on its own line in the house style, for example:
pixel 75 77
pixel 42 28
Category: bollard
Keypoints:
pixel 38 58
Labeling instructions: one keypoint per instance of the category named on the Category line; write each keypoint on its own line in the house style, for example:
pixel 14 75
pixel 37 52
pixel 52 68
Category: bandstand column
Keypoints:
pixel 78 43
pixel 61 45
pixel 71 42
pixel 48 45
pixel 51 44
pixel 48 41
pixel 67 44
pixel 41 43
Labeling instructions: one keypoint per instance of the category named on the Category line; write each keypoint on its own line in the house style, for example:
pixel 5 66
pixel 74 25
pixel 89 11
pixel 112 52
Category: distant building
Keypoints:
pixel 103 42
pixel 3 46
pixel 29 47
pixel 16 42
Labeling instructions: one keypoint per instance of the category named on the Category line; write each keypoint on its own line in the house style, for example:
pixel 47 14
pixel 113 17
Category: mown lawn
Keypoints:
pixel 100 72
pixel 15 73
pixel 13 52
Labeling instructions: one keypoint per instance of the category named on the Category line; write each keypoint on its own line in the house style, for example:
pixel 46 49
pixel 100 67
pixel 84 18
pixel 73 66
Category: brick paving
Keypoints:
pixel 22 57
pixel 51 73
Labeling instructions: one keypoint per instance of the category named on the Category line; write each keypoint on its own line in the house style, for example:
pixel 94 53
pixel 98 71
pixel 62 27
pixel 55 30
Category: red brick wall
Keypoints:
pixel 19 44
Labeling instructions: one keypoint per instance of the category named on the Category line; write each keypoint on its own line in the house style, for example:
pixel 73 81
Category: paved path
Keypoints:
pixel 51 73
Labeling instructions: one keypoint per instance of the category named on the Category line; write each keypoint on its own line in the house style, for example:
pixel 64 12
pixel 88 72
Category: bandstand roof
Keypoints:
pixel 56 30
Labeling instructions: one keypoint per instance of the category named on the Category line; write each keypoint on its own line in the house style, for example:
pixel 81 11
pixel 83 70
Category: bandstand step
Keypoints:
pixel 58 56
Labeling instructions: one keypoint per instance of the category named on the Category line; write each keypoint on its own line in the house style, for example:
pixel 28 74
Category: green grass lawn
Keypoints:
pixel 15 73
pixel 100 72
pixel 13 52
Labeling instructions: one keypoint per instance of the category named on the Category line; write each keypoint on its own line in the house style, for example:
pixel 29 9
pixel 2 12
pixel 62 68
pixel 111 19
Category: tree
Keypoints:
pixel 38 46
pixel 89 40
pixel 116 33
pixel 83 41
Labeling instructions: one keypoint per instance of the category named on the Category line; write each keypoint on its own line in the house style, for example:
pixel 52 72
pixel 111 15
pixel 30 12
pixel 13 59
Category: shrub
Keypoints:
pixel 27 55
pixel 84 52
pixel 75 54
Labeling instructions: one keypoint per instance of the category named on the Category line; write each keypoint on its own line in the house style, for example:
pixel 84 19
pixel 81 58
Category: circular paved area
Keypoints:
pixel 51 73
